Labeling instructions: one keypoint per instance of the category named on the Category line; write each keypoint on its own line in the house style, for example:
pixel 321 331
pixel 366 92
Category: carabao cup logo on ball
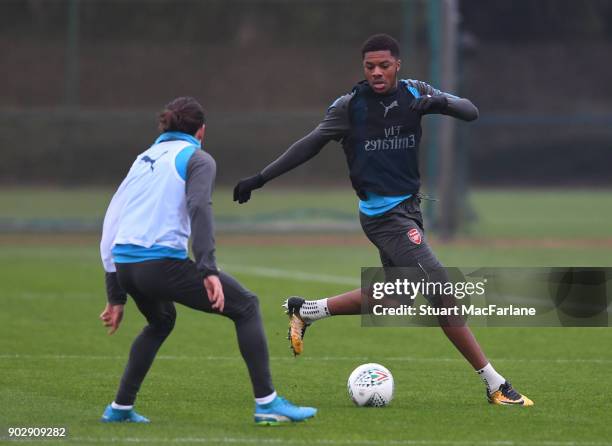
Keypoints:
pixel 372 377
pixel 371 385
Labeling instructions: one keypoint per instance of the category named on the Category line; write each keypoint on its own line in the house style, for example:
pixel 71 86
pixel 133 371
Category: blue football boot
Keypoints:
pixel 281 411
pixel 111 415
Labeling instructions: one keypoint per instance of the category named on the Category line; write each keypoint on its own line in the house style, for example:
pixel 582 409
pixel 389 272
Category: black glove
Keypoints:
pixel 430 104
pixel 242 191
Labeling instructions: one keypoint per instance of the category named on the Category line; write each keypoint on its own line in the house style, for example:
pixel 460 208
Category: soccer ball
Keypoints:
pixel 371 385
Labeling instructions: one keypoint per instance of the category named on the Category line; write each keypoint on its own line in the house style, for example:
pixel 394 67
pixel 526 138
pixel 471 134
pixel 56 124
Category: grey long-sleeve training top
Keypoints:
pixel 335 125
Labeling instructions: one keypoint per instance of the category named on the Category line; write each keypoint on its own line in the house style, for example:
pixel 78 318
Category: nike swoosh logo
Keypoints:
pixel 512 403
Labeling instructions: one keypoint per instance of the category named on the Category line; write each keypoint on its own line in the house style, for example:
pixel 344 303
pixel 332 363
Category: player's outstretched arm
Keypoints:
pixel 300 152
pixel 334 126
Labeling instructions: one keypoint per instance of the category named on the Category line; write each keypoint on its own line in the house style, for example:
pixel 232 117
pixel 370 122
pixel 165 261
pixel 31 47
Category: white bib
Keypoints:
pixel 154 210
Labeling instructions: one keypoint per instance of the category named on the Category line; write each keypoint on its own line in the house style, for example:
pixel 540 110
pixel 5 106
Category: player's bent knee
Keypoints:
pixel 251 303
pixel 247 307
pixel 163 326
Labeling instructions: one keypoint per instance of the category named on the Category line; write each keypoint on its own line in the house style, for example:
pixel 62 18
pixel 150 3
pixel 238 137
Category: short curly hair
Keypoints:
pixel 381 42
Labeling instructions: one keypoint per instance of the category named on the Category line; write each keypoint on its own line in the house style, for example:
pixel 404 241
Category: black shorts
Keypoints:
pixel 399 236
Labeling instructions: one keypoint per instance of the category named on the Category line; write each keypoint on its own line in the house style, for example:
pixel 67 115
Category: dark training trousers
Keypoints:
pixel 155 285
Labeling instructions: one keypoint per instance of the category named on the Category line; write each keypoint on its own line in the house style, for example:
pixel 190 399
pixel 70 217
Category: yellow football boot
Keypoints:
pixel 297 326
pixel 507 396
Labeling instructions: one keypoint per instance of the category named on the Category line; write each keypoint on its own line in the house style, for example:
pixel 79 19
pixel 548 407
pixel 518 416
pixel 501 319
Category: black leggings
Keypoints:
pixel 155 285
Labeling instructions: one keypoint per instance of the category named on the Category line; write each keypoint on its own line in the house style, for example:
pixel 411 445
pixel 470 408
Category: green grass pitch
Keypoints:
pixel 59 368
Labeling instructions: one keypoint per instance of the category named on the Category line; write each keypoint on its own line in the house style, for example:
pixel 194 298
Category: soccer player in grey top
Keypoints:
pixel 165 198
pixel 379 126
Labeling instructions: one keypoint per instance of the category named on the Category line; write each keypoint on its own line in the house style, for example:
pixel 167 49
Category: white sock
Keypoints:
pixel 120 407
pixel 491 378
pixel 266 399
pixel 313 310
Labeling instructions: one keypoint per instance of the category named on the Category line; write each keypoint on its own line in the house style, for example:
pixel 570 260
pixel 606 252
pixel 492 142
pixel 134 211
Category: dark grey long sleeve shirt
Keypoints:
pixel 335 125
pixel 201 171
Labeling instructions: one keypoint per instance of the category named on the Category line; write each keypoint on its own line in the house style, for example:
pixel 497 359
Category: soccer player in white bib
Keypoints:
pixel 164 200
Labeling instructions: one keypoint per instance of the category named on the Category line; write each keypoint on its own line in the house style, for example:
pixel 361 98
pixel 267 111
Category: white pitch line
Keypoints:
pixel 321 441
pixel 58 295
pixel 7 356
pixel 259 271
pixel 276 273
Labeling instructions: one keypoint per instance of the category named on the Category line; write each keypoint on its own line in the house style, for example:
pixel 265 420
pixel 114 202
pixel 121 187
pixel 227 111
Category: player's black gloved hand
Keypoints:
pixel 242 191
pixel 430 104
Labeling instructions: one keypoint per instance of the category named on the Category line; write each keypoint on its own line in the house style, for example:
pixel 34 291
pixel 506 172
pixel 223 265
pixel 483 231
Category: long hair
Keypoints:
pixel 183 114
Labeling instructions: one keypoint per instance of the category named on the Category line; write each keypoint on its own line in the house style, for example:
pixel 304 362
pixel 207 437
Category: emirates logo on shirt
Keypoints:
pixel 415 236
